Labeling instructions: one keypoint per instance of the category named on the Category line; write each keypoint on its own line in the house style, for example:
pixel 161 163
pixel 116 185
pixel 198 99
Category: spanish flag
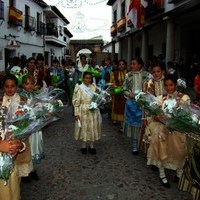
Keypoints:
pixel 15 16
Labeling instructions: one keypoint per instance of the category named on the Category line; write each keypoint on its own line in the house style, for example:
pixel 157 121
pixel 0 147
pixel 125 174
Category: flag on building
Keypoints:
pixel 136 12
pixel 15 16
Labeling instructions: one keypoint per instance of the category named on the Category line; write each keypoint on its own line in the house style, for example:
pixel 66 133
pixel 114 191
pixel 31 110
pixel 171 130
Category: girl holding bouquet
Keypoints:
pixel 11 191
pixel 88 122
pixel 23 161
pixel 167 150
pixel 133 114
pixel 155 86
pixel 118 104
pixel 36 139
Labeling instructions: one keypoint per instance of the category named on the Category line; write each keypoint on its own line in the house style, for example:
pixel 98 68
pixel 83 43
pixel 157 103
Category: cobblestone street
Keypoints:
pixel 113 174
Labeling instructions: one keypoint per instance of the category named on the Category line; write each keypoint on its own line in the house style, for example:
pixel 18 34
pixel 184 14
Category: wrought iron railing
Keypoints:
pixel 30 23
pixel 41 28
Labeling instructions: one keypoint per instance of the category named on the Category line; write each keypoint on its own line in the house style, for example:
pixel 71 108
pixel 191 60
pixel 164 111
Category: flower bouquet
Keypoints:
pixel 149 102
pixel 182 117
pixel 27 119
pixel 6 160
pixel 100 97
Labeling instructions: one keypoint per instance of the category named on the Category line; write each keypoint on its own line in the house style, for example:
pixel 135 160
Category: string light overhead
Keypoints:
pixel 78 3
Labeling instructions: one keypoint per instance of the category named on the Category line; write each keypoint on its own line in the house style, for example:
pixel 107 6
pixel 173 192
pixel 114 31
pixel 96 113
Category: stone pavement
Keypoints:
pixel 113 174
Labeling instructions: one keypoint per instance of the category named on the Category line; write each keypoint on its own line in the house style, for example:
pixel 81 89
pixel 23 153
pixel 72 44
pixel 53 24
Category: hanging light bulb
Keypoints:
pixel 79 22
pixel 73 3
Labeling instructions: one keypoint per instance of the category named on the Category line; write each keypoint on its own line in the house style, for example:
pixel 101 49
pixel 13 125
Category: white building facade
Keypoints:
pixel 170 28
pixel 25 31
pixel 57 35
pixel 21 29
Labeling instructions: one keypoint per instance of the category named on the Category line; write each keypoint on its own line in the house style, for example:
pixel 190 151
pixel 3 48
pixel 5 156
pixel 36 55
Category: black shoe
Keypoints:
pixel 121 130
pixel 34 175
pixel 135 153
pixel 26 179
pixel 165 182
pixel 92 151
pixel 84 150
pixel 114 122
pixel 154 168
pixel 176 179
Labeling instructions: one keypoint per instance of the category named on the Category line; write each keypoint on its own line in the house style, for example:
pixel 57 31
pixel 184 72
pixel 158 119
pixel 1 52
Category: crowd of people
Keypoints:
pixel 164 149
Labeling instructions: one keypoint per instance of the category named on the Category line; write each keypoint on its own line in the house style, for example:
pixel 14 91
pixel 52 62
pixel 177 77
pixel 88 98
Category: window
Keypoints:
pixel 27 16
pixel 115 16
pixel 1 10
pixel 123 9
pixel 12 3
pixel 39 28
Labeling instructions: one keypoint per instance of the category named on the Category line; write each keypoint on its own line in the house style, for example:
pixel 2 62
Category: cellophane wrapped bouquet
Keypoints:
pixel 100 97
pixel 25 120
pixel 183 117
pixel 178 115
pixel 149 103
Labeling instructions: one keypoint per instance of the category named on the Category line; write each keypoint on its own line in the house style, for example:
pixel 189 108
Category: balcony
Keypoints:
pixel 52 36
pixel 52 30
pixel 30 23
pixel 121 24
pixel 41 28
pixel 15 16
pixel 113 30
pixel 154 8
pixel 1 10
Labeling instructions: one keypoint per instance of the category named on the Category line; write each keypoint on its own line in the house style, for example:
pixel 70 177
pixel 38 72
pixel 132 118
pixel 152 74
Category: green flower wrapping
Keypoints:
pixel 55 78
pixel 117 91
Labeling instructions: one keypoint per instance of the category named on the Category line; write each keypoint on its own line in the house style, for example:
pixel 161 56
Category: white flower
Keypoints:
pixel 195 118
pixel 12 128
pixel 60 103
pixel 169 106
pixel 138 95
pixel 93 105
pixel 49 107
pixel 181 83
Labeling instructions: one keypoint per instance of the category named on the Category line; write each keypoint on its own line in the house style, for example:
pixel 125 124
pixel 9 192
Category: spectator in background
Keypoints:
pixel 114 65
pixel 118 103
pixel 31 70
pixel 81 67
pixel 197 85
pixel 57 74
pixel 69 70
pixel 40 68
pixel 105 73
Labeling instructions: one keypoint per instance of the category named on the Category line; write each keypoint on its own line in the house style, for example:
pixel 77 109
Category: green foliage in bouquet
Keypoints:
pixel 149 103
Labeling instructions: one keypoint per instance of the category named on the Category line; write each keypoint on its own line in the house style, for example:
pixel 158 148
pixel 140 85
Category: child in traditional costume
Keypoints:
pixel 88 122
pixel 36 139
pixel 133 114
pixel 167 150
pixel 118 101
pixel 155 86
pixel 23 161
